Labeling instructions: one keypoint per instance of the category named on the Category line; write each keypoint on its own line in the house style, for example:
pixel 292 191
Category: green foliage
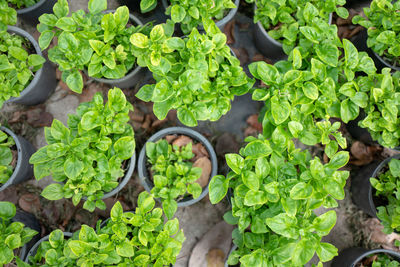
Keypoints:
pixel 383 260
pixel 196 75
pixel 128 239
pixel 173 173
pixel 6 156
pixel 276 188
pixel 13 235
pixel 94 41
pixel 88 156
pixel 382 111
pixel 382 22
pixel 17 65
pixel 189 13
pixel 292 21
pixel 21 3
pixel 387 185
pixel 8 16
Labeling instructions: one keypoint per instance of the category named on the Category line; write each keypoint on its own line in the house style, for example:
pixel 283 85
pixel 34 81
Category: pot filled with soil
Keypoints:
pixel 176 165
pixel 35 88
pixel 358 257
pixel 14 163
pixel 374 190
pixel 33 12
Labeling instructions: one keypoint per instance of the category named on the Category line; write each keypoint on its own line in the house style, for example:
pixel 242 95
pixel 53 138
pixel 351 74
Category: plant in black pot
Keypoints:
pixel 139 238
pixel 197 75
pixel 282 25
pixel 13 235
pixel 382 22
pixel 23 72
pixel 30 10
pixel 8 15
pixel 96 42
pixel 176 165
pixel 370 258
pixel 92 158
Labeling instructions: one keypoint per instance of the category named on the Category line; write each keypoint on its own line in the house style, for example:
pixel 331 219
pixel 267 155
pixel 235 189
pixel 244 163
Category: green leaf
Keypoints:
pixel 295 128
pixel 13 241
pixel 146 92
pixel 339 160
pixel 18 53
pixel 325 222
pixel 348 110
pixel 304 252
pixel 140 40
pixel 251 180
pixel 310 90
pixel 186 117
pixel 73 167
pixel 61 8
pixel 178 13
pixel 125 147
pixel 7 210
pixel 66 24
pixel 125 249
pixel 147 5
pixel 75 81
pixel 169 206
pixel 280 109
pixel 162 91
pixel 328 53
pixel 96 6
pixel 53 192
pixel 350 54
pixel 78 247
pixel 116 212
pixel 284 225
pixel 326 251
pixel 301 191
pixel 262 167
pixel 394 166
pixel 218 188
pixel 235 162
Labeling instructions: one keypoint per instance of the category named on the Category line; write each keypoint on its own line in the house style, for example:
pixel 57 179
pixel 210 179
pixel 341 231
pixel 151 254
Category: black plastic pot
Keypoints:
pixel 43 83
pixel 32 14
pixel 220 23
pixel 358 133
pixel 351 256
pixel 33 250
pixel 132 77
pixel 361 189
pixel 23 170
pixel 142 169
pixel 29 221
pixel 267 45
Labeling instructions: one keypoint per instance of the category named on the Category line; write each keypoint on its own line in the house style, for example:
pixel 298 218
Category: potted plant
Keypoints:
pixel 15 152
pixel 196 75
pixel 94 157
pixel 382 18
pixel 26 77
pixel 190 13
pixel 374 190
pixel 96 42
pixel 276 188
pixel 366 257
pixel 8 16
pixel 14 235
pixel 282 25
pixel 139 238
pixel 30 10
pixel 175 165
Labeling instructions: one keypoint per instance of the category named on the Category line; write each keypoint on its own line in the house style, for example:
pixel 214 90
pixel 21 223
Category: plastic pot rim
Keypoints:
pixel 38 51
pixel 384 62
pixel 220 22
pixel 19 155
pixel 133 71
pixel 375 251
pixel 142 170
pixel 29 9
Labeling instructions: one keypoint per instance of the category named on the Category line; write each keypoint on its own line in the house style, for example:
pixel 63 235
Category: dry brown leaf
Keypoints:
pixel 205 164
pixel 229 31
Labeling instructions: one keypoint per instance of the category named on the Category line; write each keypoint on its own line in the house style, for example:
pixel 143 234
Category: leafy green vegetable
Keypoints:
pixel 197 75
pixel 382 22
pixel 21 3
pixel 383 260
pixel 8 16
pixel 386 185
pixel 173 174
pixel 13 235
pixel 6 156
pixel 276 188
pixel 291 22
pixel 17 65
pixel 128 239
pixel 89 156
pixel 94 41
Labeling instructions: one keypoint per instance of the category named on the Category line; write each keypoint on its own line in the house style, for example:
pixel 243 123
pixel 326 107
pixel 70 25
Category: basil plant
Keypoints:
pixel 300 92
pixel 18 64
pixel 13 235
pixel 6 170
pixel 286 20
pixel 382 21
pixel 128 239
pixel 276 188
pixel 197 75
pixel 88 157
pixel 386 186
pixel 382 111
pixel 8 16
pixel 95 42
pixel 173 174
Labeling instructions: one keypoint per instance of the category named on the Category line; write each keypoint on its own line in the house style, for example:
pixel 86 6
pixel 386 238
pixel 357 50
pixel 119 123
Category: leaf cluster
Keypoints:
pixel 383 260
pixel 13 235
pixel 95 41
pixel 276 188
pixel 197 75
pixel 6 157
pixel 137 238
pixel 173 173
pixel 86 158
pixel 21 3
pixel 382 111
pixel 386 185
pixel 17 65
pixel 8 16
pixel 285 20
pixel 383 24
